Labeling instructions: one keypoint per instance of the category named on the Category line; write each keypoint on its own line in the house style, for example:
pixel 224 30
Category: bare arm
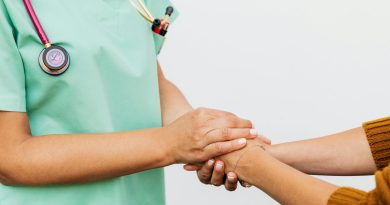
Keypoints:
pixel 58 159
pixel 75 158
pixel 345 153
pixel 283 183
pixel 173 102
pixel 174 105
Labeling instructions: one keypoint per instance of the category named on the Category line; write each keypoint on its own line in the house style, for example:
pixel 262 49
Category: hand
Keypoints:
pixel 232 160
pixel 204 134
pixel 213 172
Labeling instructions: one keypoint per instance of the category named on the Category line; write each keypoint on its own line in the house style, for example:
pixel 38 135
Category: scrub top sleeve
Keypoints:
pixel 12 77
pixel 157 8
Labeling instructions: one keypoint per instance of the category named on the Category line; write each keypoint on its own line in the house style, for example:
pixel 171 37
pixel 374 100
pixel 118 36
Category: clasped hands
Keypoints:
pixel 211 142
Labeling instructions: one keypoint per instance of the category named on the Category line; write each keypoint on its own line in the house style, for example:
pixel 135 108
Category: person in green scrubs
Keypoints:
pixel 101 132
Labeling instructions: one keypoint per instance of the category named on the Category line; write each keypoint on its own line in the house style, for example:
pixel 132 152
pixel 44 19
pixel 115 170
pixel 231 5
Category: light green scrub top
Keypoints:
pixel 111 86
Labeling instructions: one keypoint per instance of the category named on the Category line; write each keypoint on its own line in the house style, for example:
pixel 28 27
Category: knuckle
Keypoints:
pixel 201 111
pixel 224 133
pixel 232 121
pixel 246 132
pixel 201 117
pixel 219 148
pixel 203 176
pixel 198 143
pixel 250 124
pixel 229 114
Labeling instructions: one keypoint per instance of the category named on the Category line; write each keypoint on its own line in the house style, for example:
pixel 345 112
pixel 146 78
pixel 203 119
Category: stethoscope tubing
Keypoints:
pixel 37 24
pixel 60 65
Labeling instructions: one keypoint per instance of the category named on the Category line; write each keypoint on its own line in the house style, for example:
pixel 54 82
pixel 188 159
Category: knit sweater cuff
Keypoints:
pixel 346 196
pixel 378 136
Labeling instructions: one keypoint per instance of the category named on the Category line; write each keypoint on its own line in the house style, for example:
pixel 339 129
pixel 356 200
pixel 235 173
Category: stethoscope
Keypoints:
pixel 54 59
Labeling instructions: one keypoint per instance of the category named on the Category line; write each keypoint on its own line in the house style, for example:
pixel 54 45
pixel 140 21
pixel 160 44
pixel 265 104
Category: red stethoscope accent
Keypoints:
pixel 159 26
pixel 54 59
pixel 34 19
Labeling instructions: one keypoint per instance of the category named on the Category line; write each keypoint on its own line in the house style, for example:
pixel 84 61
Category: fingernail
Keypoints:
pixel 219 165
pixel 247 185
pixel 242 141
pixel 210 162
pixel 253 132
pixel 231 176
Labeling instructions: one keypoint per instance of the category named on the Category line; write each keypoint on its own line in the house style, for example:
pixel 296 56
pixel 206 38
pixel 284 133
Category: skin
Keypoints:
pixel 213 172
pixel 174 104
pixel 327 155
pixel 278 180
pixel 281 170
pixel 193 137
pixel 343 154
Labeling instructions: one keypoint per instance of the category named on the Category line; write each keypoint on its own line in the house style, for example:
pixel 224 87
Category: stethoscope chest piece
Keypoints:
pixel 54 60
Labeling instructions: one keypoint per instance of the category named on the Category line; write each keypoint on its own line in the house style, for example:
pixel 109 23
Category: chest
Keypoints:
pixel 98 34
pixel 86 23
pixel 110 46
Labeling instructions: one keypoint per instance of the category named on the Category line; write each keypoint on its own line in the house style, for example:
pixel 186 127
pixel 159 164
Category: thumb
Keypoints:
pixel 191 167
pixel 221 148
pixel 265 139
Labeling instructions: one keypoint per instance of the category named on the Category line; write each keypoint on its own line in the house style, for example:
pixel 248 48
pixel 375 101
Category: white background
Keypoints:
pixel 297 68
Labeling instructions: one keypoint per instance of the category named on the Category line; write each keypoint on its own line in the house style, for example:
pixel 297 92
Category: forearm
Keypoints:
pixel 63 159
pixel 285 184
pixel 173 102
pixel 345 153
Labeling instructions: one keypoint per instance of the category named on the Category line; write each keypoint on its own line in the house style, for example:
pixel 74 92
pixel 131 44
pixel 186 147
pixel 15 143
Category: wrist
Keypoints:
pixel 168 145
pixel 279 152
pixel 247 162
pixel 274 151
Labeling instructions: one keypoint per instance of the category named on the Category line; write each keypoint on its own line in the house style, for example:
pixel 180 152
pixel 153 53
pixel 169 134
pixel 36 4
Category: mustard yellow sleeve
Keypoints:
pixel 346 196
pixel 378 136
pixel 379 196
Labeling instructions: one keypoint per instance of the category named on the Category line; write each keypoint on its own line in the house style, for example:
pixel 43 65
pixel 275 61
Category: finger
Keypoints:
pixel 231 181
pixel 265 139
pixel 231 121
pixel 245 184
pixel 205 173
pixel 244 123
pixel 221 148
pixel 191 167
pixel 222 113
pixel 218 174
pixel 228 134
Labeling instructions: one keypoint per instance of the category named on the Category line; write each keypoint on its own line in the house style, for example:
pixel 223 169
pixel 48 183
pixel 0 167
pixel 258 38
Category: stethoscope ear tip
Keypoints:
pixel 169 11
